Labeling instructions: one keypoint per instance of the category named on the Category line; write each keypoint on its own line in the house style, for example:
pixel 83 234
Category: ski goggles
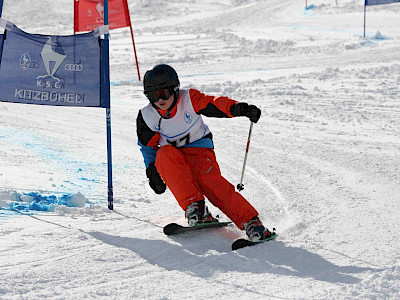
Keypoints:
pixel 163 94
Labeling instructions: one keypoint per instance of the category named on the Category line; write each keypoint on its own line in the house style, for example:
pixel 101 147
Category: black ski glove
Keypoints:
pixel 155 180
pixel 244 109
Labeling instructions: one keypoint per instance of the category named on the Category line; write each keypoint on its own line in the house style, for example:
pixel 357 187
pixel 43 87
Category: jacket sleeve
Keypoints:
pixel 147 140
pixel 211 106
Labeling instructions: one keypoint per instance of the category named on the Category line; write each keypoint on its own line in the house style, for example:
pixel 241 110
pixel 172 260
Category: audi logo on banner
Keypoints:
pixel 73 67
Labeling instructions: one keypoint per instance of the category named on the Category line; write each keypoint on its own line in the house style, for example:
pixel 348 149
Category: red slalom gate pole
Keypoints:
pixel 134 50
pixel 128 20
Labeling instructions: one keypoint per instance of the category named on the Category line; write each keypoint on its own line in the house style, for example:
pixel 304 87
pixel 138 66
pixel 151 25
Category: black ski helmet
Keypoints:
pixel 160 77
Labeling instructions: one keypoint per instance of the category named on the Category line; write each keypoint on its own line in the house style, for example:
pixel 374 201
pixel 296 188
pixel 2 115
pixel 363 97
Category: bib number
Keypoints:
pixel 180 142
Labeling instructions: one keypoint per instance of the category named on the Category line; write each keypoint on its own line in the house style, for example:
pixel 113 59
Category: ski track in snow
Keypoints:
pixel 323 165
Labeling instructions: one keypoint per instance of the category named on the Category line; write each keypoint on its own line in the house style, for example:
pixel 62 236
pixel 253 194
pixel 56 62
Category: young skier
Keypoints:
pixel 178 150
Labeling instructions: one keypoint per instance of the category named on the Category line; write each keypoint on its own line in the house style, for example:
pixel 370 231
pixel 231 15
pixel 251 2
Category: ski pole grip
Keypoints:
pixel 240 187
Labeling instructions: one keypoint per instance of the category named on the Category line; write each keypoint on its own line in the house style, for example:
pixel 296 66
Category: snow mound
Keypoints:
pixel 380 36
pixel 39 202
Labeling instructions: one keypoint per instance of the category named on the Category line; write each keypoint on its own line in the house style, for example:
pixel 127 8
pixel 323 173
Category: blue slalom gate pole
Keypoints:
pixel 1 7
pixel 365 13
pixel 109 160
pixel 108 112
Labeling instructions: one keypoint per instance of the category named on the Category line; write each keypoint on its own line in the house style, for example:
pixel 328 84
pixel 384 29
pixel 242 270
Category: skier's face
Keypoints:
pixel 165 104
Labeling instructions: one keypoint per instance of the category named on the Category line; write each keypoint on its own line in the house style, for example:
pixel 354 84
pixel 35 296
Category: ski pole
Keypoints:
pixel 240 186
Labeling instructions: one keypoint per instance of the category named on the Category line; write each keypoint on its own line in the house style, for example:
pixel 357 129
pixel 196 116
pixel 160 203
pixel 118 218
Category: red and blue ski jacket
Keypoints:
pixel 209 106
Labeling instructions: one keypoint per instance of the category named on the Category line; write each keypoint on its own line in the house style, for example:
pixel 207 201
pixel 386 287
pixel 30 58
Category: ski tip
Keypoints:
pixel 171 228
pixel 242 243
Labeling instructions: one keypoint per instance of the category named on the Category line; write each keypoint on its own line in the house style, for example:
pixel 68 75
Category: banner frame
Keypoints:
pixel 104 102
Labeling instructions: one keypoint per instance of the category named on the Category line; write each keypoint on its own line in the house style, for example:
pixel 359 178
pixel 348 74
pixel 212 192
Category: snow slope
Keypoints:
pixel 323 167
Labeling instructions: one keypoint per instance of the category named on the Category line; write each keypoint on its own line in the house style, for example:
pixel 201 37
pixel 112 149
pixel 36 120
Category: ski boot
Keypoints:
pixel 256 231
pixel 197 213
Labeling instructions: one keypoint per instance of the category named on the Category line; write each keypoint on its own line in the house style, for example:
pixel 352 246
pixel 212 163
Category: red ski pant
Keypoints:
pixel 193 173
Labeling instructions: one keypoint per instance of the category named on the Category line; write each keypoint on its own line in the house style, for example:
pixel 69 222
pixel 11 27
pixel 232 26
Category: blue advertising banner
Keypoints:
pixel 50 70
pixel 379 2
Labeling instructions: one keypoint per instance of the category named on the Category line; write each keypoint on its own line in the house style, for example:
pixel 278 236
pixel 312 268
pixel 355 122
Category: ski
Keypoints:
pixel 173 228
pixel 241 243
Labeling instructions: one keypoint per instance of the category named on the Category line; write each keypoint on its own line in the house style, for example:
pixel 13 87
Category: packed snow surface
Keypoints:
pixel 323 166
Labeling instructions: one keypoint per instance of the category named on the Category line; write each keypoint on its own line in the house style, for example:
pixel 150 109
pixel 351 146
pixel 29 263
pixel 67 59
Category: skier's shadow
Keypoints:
pixel 274 258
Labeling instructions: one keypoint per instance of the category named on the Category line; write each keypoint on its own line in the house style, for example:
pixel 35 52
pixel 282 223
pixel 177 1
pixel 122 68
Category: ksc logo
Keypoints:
pixel 52 61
